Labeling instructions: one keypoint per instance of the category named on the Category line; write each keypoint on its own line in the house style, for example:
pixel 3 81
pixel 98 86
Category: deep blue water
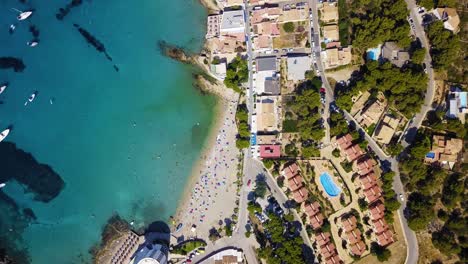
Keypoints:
pixel 122 141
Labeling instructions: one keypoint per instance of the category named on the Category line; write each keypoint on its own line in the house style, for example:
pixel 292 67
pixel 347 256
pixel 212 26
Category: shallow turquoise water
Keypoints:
pixel 123 141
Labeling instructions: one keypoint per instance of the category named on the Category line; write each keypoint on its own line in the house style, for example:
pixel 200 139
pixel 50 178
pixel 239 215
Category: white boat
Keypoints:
pixel 4 134
pixel 2 185
pixel 12 28
pixel 32 43
pixel 23 15
pixel 3 87
pixel 31 98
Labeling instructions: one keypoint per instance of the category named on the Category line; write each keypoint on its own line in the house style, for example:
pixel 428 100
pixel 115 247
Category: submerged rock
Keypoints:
pixel 175 52
pixel 12 62
pixel 63 12
pixel 95 43
pixel 39 179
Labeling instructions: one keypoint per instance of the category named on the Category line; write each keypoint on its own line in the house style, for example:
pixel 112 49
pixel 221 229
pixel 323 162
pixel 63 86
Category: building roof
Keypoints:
pixel 349 223
pixel 234 2
pixel 266 140
pixel 312 209
pixel 345 141
pixel 354 152
pixel 293 15
pixel 371 114
pixel 328 250
pixel 297 66
pixel 384 133
pixel 266 115
pixel 336 57
pixel 291 170
pixel 385 238
pixel 262 42
pixel 377 211
pixel 329 12
pixel 366 165
pixel 373 194
pixel 265 14
pixel 212 25
pixel 219 70
pixel 394 54
pixel 295 183
pixel 233 21
pixel 266 63
pixel 267 28
pixel 446 150
pixel 367 181
pixel 272 86
pixel 379 225
pixel 334 259
pixel 450 18
pixel 300 195
pixel 322 238
pixel 331 32
pixel 316 221
pixel 358 248
pixel 270 151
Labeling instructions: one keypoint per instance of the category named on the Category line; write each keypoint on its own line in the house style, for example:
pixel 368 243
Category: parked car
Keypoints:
pixel 402 198
pixel 322 111
pixel 424 68
pixel 249 182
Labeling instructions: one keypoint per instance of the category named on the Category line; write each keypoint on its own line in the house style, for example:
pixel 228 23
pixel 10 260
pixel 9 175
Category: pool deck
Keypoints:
pixel 321 166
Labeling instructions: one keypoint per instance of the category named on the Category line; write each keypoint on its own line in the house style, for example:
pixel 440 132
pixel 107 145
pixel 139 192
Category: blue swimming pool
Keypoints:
pixel 430 155
pixel 329 186
pixel 373 54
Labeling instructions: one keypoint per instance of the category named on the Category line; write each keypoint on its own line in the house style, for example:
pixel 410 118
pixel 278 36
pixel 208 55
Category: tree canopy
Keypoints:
pixel 445 46
pixel 237 73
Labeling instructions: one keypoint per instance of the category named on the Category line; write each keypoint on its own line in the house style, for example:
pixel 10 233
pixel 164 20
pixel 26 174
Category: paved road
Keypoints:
pixel 429 97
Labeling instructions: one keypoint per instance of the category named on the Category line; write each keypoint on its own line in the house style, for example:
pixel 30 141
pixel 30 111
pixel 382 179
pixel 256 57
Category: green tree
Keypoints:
pixel 260 188
pixel 421 211
pixel 291 150
pixel 395 149
pixel 268 163
pixel 418 56
pixel 310 151
pixel 445 46
pixel 336 153
pixel 289 27
pixel 382 253
pixel 428 4
pixel 242 143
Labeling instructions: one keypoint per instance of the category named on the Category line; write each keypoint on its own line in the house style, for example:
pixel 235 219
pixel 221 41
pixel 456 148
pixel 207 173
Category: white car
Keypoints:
pixel 402 198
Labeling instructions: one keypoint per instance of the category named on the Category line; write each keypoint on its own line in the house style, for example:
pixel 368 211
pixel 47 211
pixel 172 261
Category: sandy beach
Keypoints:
pixel 211 192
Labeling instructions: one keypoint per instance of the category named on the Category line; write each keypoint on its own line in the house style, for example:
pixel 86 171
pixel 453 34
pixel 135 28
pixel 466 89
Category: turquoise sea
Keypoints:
pixel 123 142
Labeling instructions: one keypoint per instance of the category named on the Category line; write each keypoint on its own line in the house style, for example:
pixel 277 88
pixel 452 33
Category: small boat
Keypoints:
pixel 2 185
pixel 4 134
pixel 12 28
pixel 3 87
pixel 23 14
pixel 179 227
pixel 31 98
pixel 32 43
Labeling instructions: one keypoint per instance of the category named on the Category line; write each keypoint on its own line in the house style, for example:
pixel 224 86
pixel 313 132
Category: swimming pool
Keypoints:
pixel 373 54
pixel 430 155
pixel 329 186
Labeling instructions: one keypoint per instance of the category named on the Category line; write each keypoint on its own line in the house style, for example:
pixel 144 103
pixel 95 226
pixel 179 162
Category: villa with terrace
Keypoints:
pixel 295 183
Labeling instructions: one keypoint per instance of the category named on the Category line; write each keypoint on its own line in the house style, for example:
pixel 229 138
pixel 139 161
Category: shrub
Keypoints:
pixel 288 27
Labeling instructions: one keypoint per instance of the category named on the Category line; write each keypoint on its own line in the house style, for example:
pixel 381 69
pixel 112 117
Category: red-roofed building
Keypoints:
pixel 335 259
pixel 291 171
pixel 358 248
pixel 344 142
pixel 353 236
pixel 295 183
pixel 379 226
pixel 328 250
pixel 385 238
pixel 322 238
pixel 365 166
pixel 300 195
pixel 368 181
pixel 349 223
pixel 270 151
pixel 316 221
pixel 376 211
pixel 312 209
pixel 354 152
pixel 373 194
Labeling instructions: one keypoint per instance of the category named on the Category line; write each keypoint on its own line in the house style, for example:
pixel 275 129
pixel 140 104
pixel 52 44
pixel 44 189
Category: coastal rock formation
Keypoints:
pixel 63 11
pixel 175 52
pixel 95 43
pixel 40 179
pixel 12 62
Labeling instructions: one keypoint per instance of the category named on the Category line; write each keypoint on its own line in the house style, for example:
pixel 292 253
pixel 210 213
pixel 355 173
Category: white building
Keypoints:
pixel 232 22
pixel 219 70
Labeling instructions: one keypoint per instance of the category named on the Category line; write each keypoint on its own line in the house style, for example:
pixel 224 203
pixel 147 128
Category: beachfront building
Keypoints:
pixel 152 253
pixel 212 26
pixel 335 57
pixel 219 70
pixel 233 24
pixel 445 151
pixel 371 114
pixel 386 129
pixel 458 104
pixel 394 54
pixel 298 65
